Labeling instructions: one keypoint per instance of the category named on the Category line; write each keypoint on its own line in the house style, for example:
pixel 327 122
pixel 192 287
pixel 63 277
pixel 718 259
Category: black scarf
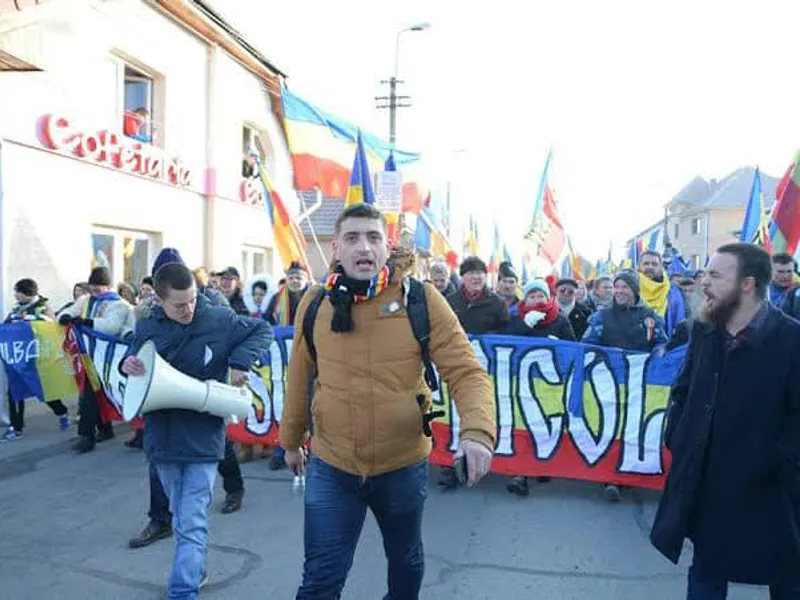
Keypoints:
pixel 343 292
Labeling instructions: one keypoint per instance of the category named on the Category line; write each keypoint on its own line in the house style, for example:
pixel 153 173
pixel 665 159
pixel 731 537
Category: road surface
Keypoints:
pixel 66 520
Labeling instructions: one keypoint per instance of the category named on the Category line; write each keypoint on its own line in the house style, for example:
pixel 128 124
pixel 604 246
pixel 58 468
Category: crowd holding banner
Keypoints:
pixel 563 409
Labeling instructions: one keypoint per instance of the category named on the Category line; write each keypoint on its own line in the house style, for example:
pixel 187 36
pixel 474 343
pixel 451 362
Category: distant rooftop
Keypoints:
pixel 733 191
pixel 324 218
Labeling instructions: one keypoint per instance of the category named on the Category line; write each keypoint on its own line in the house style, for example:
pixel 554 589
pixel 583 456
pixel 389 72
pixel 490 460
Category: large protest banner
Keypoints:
pixel 563 409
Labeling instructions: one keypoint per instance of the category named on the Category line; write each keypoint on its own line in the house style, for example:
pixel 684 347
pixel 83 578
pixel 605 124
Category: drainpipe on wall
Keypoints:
pixel 211 166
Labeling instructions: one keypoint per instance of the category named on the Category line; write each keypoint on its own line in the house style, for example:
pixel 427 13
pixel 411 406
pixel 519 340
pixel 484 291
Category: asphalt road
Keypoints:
pixel 65 521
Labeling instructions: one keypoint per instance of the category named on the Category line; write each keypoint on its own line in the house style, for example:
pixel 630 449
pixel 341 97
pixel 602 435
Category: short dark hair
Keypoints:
pixel 172 276
pixel 781 258
pixel 358 211
pixel 752 261
pixel 262 285
pixel 652 253
pixel 147 281
pixel 27 287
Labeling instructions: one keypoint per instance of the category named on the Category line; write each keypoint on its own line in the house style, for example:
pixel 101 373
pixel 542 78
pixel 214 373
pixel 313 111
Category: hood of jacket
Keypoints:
pixel 247 293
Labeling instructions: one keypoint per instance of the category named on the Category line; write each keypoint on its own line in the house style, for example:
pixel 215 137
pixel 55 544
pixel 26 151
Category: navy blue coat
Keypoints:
pixel 215 340
pixel 733 427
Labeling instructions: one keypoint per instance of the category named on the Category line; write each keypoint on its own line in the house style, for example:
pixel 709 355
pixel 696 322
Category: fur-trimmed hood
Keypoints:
pixel 247 293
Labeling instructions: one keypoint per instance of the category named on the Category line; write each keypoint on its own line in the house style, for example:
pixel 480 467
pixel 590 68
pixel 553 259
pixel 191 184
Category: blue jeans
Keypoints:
pixel 335 508
pixel 228 469
pixel 189 487
pixel 704 587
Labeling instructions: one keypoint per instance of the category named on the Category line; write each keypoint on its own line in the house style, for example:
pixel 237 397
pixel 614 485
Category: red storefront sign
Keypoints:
pixel 114 150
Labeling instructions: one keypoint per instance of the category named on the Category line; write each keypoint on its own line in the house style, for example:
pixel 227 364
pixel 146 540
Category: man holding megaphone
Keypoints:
pixel 202 342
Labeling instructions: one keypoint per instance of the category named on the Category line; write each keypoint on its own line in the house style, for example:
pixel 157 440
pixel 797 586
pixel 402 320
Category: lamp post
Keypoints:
pixel 393 101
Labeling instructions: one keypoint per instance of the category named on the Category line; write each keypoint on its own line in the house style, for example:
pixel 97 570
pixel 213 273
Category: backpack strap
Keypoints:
pixel 309 318
pixel 417 311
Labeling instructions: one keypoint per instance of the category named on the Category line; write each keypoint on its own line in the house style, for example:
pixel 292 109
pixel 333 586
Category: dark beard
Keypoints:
pixel 721 314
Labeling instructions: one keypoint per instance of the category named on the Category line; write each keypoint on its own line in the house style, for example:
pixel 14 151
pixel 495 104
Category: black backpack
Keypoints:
pixel 417 310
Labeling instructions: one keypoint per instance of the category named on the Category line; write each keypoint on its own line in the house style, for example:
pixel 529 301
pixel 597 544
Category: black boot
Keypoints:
pixel 448 479
pixel 83 445
pixel 105 432
pixel 233 502
pixel 519 486
pixel 152 533
pixel 136 441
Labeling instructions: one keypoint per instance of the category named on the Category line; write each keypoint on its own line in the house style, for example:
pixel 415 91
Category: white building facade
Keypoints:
pixel 130 139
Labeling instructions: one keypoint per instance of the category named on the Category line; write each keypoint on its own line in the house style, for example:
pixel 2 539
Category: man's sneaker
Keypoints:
pixel 10 435
pixel 204 580
pixel 64 423
pixel 233 502
pixel 612 493
pixel 276 463
pixel 152 533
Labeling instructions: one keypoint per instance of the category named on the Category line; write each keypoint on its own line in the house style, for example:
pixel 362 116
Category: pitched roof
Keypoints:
pixel 324 218
pixel 733 191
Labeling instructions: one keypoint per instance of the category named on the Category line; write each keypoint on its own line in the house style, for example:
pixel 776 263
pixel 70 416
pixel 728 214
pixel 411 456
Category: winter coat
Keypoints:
pixel 249 301
pixel 112 316
pixel 579 318
pixel 487 315
pixel 626 327
pixel 559 329
pixel 272 314
pixel 37 310
pixel 238 305
pixel 205 349
pixel 214 296
pixel 680 335
pixel 367 419
pixel 733 426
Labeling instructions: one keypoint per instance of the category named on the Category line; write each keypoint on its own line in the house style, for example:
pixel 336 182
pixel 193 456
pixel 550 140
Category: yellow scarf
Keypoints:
pixel 655 294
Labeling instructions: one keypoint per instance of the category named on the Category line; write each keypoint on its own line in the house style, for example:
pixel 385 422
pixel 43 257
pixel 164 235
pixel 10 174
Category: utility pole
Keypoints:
pixel 392 102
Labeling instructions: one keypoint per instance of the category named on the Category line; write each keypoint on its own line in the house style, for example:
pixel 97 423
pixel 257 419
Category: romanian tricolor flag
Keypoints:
pixel 756 223
pixel 360 189
pixel 322 148
pixel 35 363
pixel 497 255
pixel 289 239
pixel 546 230
pixel 472 246
pixel 785 226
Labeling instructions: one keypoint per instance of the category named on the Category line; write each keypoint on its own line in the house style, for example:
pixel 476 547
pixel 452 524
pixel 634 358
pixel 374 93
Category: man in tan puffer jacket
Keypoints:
pixel 369 448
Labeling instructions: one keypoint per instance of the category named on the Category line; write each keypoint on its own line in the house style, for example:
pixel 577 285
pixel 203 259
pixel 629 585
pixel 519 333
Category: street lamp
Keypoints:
pixel 393 101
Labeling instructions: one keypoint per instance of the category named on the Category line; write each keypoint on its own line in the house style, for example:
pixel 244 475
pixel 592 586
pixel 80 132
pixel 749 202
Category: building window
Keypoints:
pixel 255 261
pixel 251 143
pixel 140 101
pixel 677 231
pixel 126 254
pixel 696 226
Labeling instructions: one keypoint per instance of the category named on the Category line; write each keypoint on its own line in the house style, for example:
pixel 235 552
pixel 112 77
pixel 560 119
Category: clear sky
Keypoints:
pixel 635 99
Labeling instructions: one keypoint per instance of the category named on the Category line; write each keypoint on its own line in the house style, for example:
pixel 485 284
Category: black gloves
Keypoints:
pixel 65 319
pixel 68 319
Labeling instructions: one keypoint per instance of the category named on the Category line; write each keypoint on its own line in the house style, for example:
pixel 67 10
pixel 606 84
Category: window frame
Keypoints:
pixel 156 96
pixel 118 234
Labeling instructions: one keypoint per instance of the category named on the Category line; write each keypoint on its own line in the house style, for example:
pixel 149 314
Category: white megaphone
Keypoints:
pixel 163 386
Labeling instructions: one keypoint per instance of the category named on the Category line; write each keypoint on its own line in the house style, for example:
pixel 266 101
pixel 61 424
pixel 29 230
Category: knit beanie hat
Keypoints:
pixel 472 263
pixel 166 256
pixel 100 276
pixel 631 280
pixel 536 284
pixel 295 268
pixel 506 269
